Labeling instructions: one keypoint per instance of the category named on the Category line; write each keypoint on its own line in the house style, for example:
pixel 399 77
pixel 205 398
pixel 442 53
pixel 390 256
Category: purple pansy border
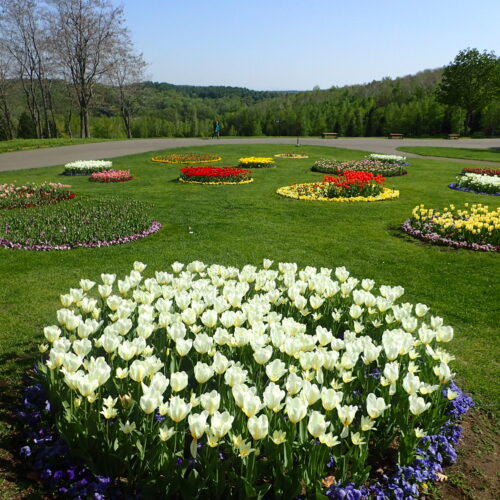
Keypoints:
pixel 155 226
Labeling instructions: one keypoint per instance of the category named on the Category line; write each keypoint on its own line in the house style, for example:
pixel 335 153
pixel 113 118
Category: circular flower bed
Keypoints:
pixel 471 182
pixel 92 223
pixel 387 158
pixel 31 194
pixel 350 187
pixel 111 176
pixel 475 228
pixel 87 167
pixel 387 169
pixel 257 162
pixel 215 175
pixel 291 155
pixel 187 158
pixel 257 380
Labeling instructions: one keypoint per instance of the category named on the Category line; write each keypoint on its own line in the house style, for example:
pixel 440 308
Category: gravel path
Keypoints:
pixel 38 158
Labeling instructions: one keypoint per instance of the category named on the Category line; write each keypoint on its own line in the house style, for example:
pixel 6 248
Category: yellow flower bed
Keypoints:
pixel 186 158
pixel 257 162
pixel 476 220
pixel 248 181
pixel 292 192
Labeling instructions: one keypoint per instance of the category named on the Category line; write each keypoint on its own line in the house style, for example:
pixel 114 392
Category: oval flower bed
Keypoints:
pixel 215 175
pixel 475 228
pixel 87 167
pixel 90 223
pixel 471 182
pixel 31 194
pixel 294 156
pixel 387 169
pixel 349 187
pixel 257 162
pixel 111 176
pixel 250 382
pixel 187 158
pixel 387 158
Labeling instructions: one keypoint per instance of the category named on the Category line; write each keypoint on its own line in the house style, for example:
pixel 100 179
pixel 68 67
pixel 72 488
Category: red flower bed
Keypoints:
pixel 481 171
pixel 353 183
pixel 219 175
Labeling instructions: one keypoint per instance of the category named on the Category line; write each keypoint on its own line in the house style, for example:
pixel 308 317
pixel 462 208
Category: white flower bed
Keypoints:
pixel 387 158
pixel 291 365
pixel 87 166
pixel 479 182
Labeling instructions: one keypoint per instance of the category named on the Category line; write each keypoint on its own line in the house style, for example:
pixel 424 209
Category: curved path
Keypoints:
pixel 37 158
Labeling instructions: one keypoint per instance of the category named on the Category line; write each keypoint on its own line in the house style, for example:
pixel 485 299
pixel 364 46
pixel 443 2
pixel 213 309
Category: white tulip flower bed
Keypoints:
pixel 85 167
pixel 273 370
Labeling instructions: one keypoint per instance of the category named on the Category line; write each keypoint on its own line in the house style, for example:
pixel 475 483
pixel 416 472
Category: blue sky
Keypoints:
pixel 295 45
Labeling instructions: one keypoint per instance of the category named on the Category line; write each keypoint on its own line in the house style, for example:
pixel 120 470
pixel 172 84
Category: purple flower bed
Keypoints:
pixel 466 190
pixel 155 226
pixel 69 478
pixel 437 239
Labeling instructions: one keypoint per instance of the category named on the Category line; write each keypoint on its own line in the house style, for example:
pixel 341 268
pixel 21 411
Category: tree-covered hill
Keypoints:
pixel 407 105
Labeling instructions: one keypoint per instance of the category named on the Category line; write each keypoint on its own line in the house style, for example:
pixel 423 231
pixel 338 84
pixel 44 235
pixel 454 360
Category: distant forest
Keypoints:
pixel 405 105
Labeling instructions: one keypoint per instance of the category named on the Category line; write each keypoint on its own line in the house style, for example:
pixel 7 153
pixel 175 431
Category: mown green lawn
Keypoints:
pixel 244 224
pixel 24 144
pixel 465 153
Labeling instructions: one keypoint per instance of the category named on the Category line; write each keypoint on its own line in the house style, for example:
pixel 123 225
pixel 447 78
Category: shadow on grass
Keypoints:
pixel 16 479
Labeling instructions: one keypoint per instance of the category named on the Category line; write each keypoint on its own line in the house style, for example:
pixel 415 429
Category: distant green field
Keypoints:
pixel 465 153
pixel 24 144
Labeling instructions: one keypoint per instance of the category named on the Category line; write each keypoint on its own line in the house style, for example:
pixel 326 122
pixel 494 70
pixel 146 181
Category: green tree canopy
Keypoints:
pixel 472 82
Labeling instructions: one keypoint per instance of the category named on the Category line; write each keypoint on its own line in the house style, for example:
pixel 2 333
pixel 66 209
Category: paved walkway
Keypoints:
pixel 38 158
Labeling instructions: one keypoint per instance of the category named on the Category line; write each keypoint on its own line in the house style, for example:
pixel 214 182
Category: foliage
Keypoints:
pixel 24 144
pixel 331 166
pixel 215 175
pixel 471 81
pixel 167 373
pixel 32 194
pixel 81 223
pixel 477 227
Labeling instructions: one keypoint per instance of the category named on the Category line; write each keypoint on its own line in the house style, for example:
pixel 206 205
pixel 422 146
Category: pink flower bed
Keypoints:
pixel 111 176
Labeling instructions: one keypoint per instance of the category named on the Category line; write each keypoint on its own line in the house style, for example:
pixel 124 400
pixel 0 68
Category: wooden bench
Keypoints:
pixel 396 136
pixel 333 135
pixel 453 136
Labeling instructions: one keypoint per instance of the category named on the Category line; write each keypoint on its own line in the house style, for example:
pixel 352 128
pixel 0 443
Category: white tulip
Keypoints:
pixel 258 426
pixel 178 409
pixel 296 409
pixel 317 424
pixel 202 372
pixel 178 381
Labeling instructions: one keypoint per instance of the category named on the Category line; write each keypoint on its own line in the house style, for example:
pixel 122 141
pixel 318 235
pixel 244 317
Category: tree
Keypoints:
pixel 24 36
pixel 126 73
pixel 87 34
pixel 471 81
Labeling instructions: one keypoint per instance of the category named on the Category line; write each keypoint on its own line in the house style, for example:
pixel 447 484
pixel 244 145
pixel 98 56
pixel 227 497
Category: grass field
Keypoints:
pixel 465 153
pixel 25 144
pixel 242 224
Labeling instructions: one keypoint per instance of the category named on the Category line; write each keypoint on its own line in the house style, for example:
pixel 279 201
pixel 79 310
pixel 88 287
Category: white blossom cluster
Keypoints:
pixel 89 165
pixel 249 357
pixel 470 179
pixel 387 158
